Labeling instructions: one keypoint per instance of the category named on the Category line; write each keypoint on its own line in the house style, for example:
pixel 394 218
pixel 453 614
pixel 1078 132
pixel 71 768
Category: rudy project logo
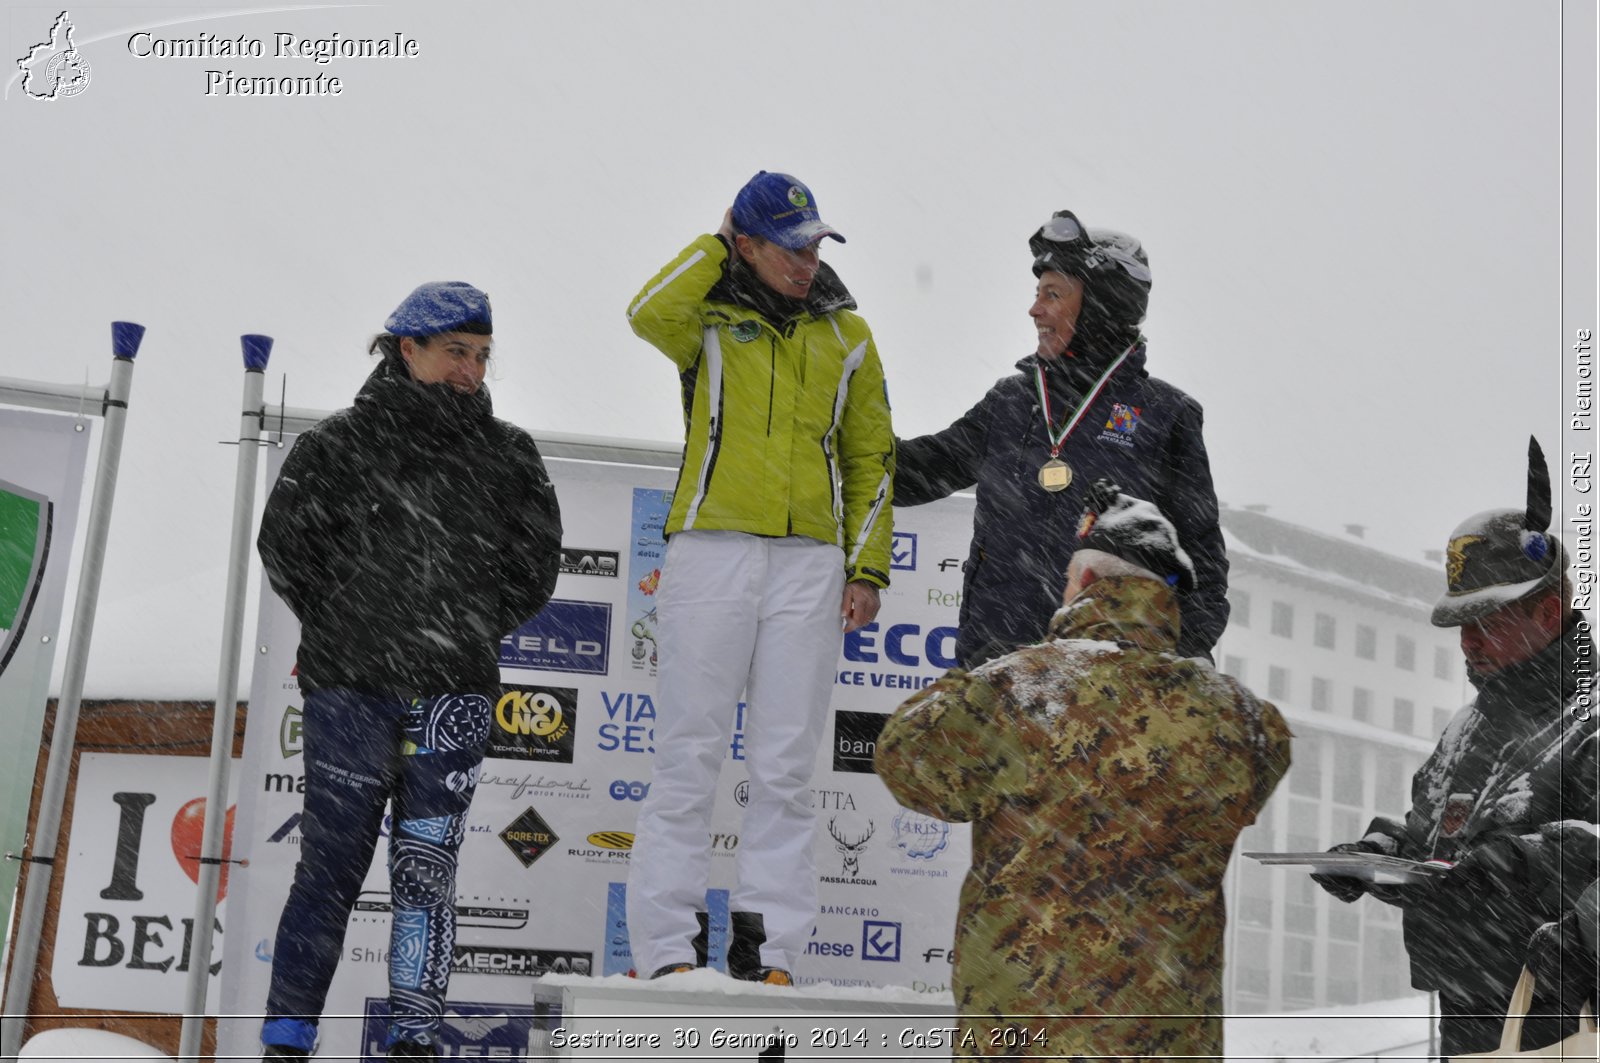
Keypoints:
pixel 529 837
pixel 25 523
pixel 582 562
pixel 291 731
pixel 54 69
pixel 534 723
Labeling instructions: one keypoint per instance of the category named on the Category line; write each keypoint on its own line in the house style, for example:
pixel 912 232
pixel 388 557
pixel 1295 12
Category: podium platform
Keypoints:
pixel 705 1015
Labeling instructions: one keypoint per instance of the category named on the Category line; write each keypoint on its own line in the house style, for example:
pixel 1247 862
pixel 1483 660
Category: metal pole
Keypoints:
pixel 125 338
pixel 257 349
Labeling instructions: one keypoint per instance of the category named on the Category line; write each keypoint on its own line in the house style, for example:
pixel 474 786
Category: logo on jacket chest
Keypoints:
pixel 745 331
pixel 1121 425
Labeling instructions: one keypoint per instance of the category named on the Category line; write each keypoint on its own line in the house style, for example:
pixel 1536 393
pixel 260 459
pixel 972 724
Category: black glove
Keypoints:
pixel 1344 887
pixel 1557 957
pixel 1490 870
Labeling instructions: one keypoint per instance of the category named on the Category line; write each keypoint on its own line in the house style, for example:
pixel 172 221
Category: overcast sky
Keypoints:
pixel 1351 210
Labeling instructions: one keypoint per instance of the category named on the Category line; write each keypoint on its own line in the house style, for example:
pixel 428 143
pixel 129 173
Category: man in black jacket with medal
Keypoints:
pixel 1082 407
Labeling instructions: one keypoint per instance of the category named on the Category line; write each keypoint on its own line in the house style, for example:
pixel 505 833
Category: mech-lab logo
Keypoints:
pixel 582 561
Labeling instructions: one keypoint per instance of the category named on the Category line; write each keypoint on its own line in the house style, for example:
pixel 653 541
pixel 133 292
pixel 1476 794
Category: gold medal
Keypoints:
pixel 1055 475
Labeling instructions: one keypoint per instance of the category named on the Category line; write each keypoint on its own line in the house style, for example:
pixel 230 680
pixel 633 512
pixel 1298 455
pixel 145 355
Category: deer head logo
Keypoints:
pixel 850 848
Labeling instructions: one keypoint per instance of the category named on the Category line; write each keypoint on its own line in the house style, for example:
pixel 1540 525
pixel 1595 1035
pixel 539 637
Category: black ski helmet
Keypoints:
pixel 1113 267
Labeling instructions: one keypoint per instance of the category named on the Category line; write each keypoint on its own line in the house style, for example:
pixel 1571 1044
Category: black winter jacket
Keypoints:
pixel 1023 536
pixel 409 533
pixel 1522 764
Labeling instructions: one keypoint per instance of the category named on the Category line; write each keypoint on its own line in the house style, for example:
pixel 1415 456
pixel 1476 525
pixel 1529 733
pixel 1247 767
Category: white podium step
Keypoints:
pixel 705 1015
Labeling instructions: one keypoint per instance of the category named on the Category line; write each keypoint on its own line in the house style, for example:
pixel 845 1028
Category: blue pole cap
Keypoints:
pixel 125 338
pixel 257 349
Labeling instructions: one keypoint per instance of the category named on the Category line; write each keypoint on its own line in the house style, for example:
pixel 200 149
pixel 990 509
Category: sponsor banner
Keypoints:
pixel 534 723
pixel 566 636
pixel 128 893
pixel 649 550
pixel 855 739
pixel 475 1030
pixel 575 746
pixel 582 561
pixel 42 460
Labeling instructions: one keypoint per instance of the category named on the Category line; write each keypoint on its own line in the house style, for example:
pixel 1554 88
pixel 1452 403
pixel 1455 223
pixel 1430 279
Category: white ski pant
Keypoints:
pixel 736 613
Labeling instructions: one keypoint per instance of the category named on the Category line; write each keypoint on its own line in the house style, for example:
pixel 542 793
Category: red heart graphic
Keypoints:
pixel 188 828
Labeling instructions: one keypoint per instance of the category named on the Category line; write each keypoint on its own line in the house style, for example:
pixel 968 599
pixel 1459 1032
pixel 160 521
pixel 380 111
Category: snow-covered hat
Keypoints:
pixel 780 208
pixel 1134 530
pixel 442 306
pixel 1501 556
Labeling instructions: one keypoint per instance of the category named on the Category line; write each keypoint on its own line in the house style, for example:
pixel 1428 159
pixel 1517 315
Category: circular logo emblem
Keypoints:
pixel 67 73
pixel 741 792
pixel 745 331
pixel 797 196
pixel 546 714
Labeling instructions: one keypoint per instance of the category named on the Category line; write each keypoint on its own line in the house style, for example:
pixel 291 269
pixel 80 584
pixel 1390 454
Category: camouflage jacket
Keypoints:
pixel 1106 780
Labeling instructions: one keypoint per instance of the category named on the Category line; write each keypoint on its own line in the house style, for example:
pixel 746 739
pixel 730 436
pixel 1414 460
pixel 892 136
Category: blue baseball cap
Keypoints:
pixel 777 207
pixel 442 306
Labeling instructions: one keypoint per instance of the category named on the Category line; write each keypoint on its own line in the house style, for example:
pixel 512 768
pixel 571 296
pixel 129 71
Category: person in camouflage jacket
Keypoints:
pixel 1106 779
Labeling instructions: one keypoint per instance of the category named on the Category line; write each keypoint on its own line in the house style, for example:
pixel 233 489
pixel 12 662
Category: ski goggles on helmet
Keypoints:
pixel 1064 245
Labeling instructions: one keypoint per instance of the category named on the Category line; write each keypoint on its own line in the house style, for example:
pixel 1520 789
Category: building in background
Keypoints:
pixel 1336 634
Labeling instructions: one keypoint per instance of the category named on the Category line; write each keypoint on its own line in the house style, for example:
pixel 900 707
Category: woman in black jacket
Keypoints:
pixel 408 533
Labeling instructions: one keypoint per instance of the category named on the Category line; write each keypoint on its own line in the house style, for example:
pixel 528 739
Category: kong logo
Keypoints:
pixel 534 723
pixel 855 739
pixel 585 562
pixel 566 636
pixel 529 837
pixel 25 524
pixel 291 731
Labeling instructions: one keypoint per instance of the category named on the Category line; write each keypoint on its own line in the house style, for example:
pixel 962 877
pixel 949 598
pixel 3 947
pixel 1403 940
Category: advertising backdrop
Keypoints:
pixel 544 866
pixel 42 459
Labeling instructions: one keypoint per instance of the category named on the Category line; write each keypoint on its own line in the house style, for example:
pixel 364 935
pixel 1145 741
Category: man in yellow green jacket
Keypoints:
pixel 778 541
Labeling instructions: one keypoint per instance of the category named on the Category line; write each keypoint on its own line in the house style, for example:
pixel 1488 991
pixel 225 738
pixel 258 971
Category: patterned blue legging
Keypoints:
pixel 364 751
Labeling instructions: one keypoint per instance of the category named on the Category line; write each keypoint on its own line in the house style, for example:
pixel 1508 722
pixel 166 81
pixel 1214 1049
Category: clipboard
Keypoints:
pixel 1376 868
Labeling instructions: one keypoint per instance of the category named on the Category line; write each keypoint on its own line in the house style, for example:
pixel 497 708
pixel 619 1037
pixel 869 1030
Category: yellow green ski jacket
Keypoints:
pixel 786 423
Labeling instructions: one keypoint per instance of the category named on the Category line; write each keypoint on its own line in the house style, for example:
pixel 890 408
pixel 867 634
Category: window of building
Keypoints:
pixel 1443 663
pixel 1234 666
pixel 1441 720
pixel 1283 619
pixel 1277 683
pixel 1405 716
pixel 1361 704
pixel 1391 784
pixel 1239 608
pixel 1366 642
pixel 1305 772
pixel 1349 787
pixel 1255 895
pixel 1299 976
pixel 1321 694
pixel 1344 970
pixel 1323 634
pixel 1405 653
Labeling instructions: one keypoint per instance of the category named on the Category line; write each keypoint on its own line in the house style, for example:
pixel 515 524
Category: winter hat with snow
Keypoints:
pixel 1134 530
pixel 1501 556
pixel 442 306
